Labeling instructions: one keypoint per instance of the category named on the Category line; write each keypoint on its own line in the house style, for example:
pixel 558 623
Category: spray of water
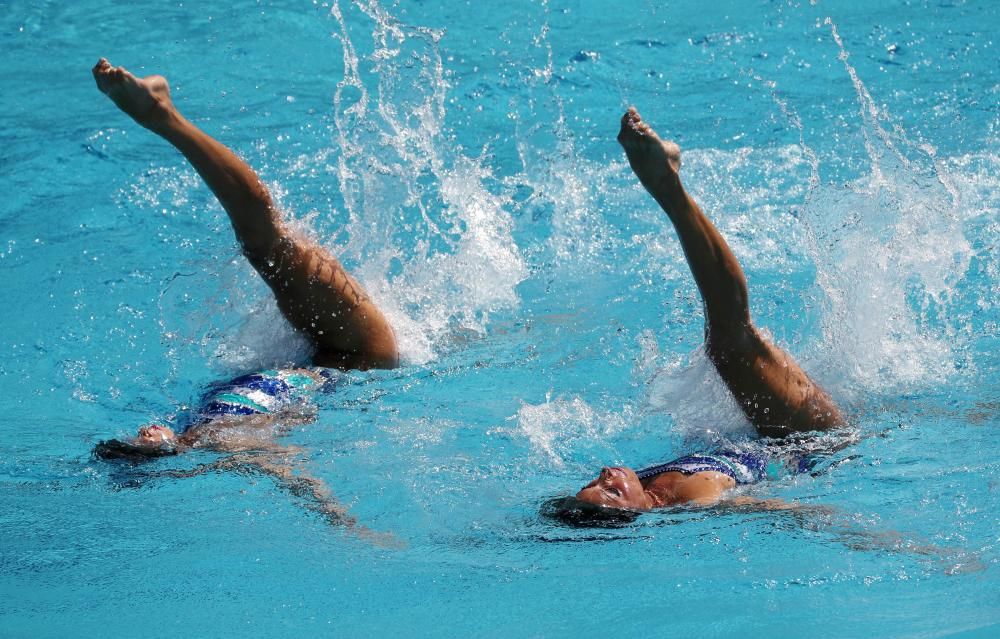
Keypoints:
pixel 428 231
pixel 432 242
pixel 563 428
pixel 889 251
pixel 419 225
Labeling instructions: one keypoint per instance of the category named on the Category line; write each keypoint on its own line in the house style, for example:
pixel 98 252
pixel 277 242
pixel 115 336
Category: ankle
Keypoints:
pixel 668 190
pixel 163 120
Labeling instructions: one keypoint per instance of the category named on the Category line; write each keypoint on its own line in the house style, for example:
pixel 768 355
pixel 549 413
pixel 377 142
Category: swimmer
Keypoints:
pixel 775 394
pixel 241 418
pixel 238 416
pixel 313 291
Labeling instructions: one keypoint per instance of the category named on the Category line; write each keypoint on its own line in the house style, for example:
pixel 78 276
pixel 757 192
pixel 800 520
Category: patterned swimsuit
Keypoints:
pixel 261 393
pixel 744 468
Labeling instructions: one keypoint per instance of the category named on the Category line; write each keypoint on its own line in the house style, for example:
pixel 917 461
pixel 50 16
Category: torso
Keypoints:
pixel 703 477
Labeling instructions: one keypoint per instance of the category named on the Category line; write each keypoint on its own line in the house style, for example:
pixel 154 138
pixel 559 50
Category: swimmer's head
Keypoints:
pixel 616 488
pixel 154 436
pixel 151 441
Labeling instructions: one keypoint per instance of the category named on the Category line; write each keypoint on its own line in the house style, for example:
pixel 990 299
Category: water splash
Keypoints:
pixel 690 390
pixel 890 249
pixel 432 241
pixel 560 428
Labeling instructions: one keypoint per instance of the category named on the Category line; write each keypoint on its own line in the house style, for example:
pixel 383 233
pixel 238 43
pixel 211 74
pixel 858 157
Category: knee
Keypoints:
pixel 267 254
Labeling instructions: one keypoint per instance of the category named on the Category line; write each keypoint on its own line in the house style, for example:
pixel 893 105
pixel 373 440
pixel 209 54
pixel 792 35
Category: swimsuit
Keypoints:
pixel 744 468
pixel 261 393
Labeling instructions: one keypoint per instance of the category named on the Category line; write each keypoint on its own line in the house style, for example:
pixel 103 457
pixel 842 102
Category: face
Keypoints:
pixel 154 436
pixel 616 488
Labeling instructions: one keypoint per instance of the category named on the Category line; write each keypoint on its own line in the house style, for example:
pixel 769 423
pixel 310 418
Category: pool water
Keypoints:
pixel 460 157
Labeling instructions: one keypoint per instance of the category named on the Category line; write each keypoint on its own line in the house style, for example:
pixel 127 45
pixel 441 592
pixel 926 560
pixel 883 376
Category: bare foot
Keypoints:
pixel 655 162
pixel 147 99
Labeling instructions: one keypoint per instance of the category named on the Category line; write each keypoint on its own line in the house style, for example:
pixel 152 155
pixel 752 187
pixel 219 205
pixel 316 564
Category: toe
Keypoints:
pixel 629 121
pixel 101 68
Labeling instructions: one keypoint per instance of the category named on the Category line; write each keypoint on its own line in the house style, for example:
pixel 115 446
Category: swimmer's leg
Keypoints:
pixel 312 289
pixel 774 392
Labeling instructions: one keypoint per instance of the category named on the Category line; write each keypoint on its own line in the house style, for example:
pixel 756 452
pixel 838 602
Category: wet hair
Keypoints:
pixel 115 449
pixel 577 513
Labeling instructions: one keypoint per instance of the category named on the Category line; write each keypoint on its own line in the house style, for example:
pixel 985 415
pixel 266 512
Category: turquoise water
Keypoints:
pixel 460 157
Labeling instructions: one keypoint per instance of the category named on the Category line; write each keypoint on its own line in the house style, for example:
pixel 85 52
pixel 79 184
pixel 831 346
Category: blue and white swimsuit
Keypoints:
pixel 744 468
pixel 262 393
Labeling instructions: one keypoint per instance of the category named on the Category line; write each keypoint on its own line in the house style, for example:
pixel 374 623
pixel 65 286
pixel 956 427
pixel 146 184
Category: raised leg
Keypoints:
pixel 312 289
pixel 774 392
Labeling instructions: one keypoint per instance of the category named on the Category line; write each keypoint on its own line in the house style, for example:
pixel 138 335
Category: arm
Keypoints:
pixel 846 531
pixel 319 498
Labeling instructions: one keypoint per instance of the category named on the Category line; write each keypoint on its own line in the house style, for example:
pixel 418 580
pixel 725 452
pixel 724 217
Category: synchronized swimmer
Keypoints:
pixel 775 394
pixel 348 331
pixel 312 289
pixel 314 292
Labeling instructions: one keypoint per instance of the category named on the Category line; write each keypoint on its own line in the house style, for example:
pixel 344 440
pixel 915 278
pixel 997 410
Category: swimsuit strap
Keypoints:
pixel 689 464
pixel 744 468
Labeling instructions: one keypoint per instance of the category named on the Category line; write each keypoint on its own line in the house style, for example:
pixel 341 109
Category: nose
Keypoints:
pixel 610 472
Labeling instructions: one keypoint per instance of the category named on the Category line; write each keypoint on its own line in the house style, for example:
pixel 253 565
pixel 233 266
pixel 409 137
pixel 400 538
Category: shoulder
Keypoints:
pixel 704 487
